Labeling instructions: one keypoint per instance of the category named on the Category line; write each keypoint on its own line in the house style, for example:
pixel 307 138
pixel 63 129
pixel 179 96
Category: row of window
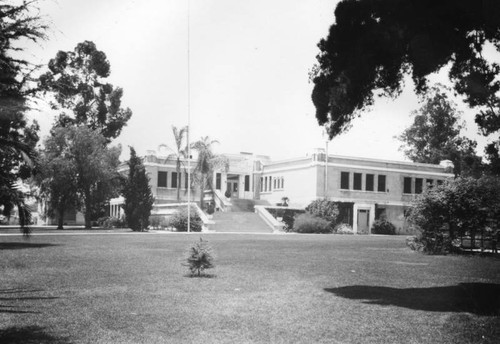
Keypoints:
pixel 410 185
pixel 358 182
pixel 270 183
pixel 163 179
pixel 417 187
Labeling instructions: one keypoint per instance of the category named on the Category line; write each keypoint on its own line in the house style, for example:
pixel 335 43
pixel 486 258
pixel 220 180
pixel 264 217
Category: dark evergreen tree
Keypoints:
pixel 375 43
pixel 137 193
pixel 17 137
pixel 77 81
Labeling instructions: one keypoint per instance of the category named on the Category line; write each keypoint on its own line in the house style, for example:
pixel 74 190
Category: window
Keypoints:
pixel 419 185
pixel 440 182
pixel 282 182
pixel 261 184
pixel 247 183
pixel 218 181
pixel 173 182
pixel 270 183
pixel 381 184
pixel 369 182
pixel 430 183
pixel 185 180
pixel 344 180
pixel 162 179
pixel 265 183
pixel 357 181
pixel 274 183
pixel 407 185
pixel 380 213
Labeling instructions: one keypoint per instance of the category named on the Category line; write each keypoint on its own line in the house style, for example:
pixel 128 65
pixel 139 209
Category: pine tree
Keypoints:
pixel 137 193
pixel 200 257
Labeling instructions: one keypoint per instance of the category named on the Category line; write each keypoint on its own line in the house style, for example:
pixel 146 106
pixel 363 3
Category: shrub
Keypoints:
pixel 430 243
pixel 325 209
pixel 383 227
pixel 179 220
pixel 308 223
pixel 199 257
pixel 112 222
pixel 289 219
pixel 210 208
pixel 343 228
pixel 155 221
pixel 287 216
pixel 227 193
pixel 458 207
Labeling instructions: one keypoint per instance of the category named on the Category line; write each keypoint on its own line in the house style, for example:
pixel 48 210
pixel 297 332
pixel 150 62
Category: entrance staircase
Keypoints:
pixel 239 222
pixel 240 219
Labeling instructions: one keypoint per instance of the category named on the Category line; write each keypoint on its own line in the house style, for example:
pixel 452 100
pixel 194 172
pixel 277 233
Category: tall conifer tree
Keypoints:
pixel 137 193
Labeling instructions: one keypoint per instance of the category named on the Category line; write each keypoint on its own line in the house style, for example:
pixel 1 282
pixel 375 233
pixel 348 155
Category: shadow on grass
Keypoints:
pixel 28 335
pixel 476 298
pixel 22 245
pixel 11 297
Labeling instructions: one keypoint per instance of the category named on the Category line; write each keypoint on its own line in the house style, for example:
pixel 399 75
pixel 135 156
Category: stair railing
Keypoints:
pixel 221 202
pixel 265 215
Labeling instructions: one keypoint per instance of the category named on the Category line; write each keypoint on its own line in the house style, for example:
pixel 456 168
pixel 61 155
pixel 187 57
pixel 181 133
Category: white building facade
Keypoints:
pixel 366 189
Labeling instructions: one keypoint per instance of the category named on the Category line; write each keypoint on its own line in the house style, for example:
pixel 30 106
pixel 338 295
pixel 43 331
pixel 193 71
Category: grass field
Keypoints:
pixel 132 288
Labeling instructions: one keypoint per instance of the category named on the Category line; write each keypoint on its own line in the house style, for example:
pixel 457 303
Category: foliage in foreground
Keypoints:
pixel 459 207
pixel 374 44
pixel 200 257
pixel 179 220
pixel 19 22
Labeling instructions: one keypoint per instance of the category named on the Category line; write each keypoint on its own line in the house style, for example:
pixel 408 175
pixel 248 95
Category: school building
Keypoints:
pixel 366 189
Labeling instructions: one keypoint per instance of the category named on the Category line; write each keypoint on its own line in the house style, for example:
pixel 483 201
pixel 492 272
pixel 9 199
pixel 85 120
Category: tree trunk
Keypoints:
pixel 88 211
pixel 178 170
pixel 88 221
pixel 60 217
pixel 202 190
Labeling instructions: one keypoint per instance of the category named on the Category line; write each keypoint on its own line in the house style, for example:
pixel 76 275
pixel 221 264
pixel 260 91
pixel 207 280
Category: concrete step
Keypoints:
pixel 242 205
pixel 242 221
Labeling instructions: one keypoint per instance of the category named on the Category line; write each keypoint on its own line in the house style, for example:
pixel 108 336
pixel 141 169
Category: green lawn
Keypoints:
pixel 132 288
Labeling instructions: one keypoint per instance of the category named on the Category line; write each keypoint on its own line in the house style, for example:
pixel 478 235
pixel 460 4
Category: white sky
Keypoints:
pixel 249 73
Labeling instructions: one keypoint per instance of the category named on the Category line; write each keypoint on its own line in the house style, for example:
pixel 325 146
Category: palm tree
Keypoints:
pixel 207 162
pixel 180 152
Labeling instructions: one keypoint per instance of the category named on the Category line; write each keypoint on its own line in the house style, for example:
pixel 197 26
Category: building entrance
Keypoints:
pixel 363 221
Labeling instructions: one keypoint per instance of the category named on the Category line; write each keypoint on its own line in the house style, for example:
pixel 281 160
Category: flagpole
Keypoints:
pixel 189 118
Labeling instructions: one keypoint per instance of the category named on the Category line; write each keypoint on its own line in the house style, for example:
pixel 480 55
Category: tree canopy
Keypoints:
pixel 435 135
pixel 94 167
pixel 77 81
pixel 374 43
pixel 57 177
